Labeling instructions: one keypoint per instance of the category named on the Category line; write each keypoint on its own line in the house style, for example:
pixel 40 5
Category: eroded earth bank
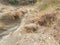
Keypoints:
pixel 27 25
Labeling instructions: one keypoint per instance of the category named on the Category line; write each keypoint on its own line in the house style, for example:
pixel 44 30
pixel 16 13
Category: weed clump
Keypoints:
pixel 47 20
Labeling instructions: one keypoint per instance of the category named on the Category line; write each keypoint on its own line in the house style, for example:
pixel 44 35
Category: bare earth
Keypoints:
pixel 25 25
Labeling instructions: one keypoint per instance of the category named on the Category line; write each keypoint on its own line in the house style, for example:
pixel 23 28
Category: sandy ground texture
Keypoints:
pixel 25 25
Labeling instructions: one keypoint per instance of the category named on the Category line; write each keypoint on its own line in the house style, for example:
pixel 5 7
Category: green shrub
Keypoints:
pixel 22 1
pixel 13 1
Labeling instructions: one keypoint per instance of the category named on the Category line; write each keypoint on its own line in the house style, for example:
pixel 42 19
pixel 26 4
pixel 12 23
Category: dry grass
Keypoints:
pixel 47 19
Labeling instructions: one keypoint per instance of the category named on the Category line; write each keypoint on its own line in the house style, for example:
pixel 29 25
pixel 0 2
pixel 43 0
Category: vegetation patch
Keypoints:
pixel 47 19
pixel 24 2
pixel 13 1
